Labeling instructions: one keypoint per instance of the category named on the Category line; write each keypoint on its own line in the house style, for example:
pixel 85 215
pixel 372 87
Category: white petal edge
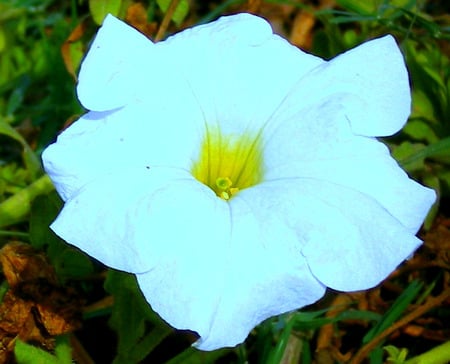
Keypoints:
pixel 262 274
pixel 319 143
pixel 120 219
pixel 114 70
pixel 226 64
pixel 379 70
pixel 267 274
pixel 370 82
pixel 137 135
pixel 349 241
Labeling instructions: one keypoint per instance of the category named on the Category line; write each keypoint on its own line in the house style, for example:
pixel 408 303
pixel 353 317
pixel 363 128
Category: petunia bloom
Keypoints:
pixel 236 176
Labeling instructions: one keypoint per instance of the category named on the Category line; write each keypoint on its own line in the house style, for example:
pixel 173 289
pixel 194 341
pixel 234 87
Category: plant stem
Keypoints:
pixel 438 355
pixel 16 208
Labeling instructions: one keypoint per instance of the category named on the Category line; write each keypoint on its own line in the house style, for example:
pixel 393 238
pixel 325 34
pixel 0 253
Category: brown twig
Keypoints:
pixel 166 20
pixel 419 311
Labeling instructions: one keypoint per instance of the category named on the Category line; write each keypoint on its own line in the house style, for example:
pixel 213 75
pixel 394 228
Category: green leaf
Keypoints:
pixel 359 7
pixel 423 107
pixel 180 12
pixel 44 210
pixel 433 182
pixel 312 320
pixel 395 355
pixel 194 356
pixel 440 149
pixel 16 208
pixel 429 73
pixel 138 328
pixel 396 310
pixel 438 355
pixel 63 350
pixel 29 354
pixel 100 8
pixel 420 130
pixel 30 159
pixel 358 315
pixel 305 321
pixel 68 262
pixel 2 39
pixel 276 355
pixel 406 151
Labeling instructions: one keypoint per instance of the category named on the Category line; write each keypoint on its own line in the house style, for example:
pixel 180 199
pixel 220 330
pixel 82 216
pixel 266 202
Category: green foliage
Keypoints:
pixel 100 8
pixel 29 354
pixel 422 146
pixel 180 12
pixel 31 162
pixel 193 356
pixel 396 310
pixel 69 263
pixel 438 355
pixel 395 355
pixel 16 208
pixel 138 328
pixel 392 315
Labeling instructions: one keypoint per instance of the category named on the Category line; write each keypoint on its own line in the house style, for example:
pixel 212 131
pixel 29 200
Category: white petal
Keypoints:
pixel 140 134
pixel 137 219
pixel 238 69
pixel 349 241
pixel 244 267
pixel 266 274
pixel 319 143
pixel 358 244
pixel 189 231
pixel 114 69
pixel 370 82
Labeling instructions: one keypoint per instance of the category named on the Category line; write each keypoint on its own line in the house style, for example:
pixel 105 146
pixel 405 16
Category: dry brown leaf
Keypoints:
pixel 35 308
pixel 301 33
pixel 253 6
pixel 74 37
pixel 137 17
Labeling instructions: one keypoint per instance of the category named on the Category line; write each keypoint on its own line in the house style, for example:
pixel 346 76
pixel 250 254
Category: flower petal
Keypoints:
pixel 105 142
pixel 113 70
pixel 370 82
pixel 266 275
pixel 349 241
pixel 133 220
pixel 236 282
pixel 229 63
pixel 318 143
pixel 189 230
pixel 368 241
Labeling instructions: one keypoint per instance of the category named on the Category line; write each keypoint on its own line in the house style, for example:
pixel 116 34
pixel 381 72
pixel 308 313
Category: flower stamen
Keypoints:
pixel 225 190
pixel 228 164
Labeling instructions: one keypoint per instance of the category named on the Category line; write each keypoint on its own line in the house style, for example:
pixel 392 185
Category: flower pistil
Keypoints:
pixel 228 163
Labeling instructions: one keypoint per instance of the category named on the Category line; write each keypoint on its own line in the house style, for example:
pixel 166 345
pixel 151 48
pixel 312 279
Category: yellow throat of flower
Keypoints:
pixel 228 164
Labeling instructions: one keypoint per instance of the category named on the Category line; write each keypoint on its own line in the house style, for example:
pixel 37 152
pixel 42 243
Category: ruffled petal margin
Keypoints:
pixel 114 69
pixel 226 64
pixel 130 221
pixel 267 274
pixel 259 273
pixel 370 82
pixel 318 143
pixel 349 241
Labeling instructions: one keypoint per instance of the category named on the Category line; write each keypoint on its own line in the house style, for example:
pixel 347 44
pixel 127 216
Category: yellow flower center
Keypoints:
pixel 228 164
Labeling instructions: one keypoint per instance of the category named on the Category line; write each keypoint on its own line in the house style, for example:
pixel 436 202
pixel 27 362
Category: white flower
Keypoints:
pixel 234 174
